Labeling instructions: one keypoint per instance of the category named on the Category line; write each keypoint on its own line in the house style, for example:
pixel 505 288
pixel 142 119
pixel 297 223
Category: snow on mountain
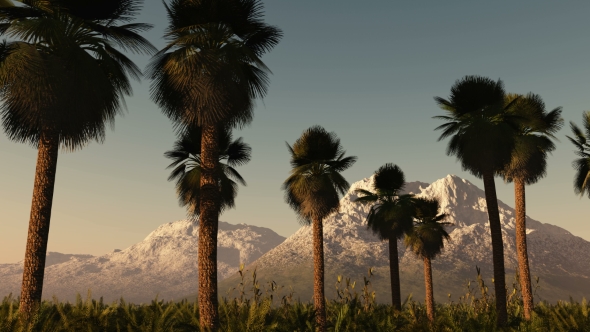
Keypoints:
pixel 557 256
pixel 163 264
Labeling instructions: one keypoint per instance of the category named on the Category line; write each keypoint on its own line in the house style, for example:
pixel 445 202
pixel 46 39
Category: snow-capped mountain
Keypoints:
pixel 559 258
pixel 163 264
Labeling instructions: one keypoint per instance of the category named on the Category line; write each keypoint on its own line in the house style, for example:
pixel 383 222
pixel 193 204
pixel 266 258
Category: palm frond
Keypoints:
pixel 313 187
pixel 81 80
pixel 238 153
pixel 186 164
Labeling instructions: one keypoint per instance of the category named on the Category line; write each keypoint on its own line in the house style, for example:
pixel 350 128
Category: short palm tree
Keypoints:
pixel 208 76
pixel 62 80
pixel 390 216
pixel 426 240
pixel 482 132
pixel 186 164
pixel 529 165
pixel 582 164
pixel 312 190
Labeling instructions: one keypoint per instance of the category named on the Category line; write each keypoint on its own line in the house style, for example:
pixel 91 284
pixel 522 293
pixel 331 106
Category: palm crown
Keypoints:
pixel 427 237
pixel 186 168
pixel 391 212
pixel 481 126
pixel 313 187
pixel 536 127
pixel 68 53
pixel 582 164
pixel 211 70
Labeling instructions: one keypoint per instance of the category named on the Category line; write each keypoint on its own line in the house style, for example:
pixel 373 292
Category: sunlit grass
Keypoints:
pixel 266 308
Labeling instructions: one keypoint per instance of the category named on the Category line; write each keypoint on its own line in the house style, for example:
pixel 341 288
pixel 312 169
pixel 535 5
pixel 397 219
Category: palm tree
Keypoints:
pixel 62 80
pixel 390 217
pixel 482 135
pixel 426 240
pixel 581 165
pixel 529 165
pixel 186 157
pixel 312 190
pixel 208 76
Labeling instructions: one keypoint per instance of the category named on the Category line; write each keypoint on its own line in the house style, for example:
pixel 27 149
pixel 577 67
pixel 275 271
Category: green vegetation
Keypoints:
pixel 269 310
pixel 426 240
pixel 390 216
pixel 582 164
pixel 62 80
pixel 186 168
pixel 482 136
pixel 209 75
pixel 528 165
pixel 312 191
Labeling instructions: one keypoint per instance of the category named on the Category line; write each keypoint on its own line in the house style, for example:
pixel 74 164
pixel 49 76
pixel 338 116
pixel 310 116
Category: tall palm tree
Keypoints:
pixel 482 132
pixel 529 165
pixel 186 164
pixel 390 217
pixel 209 75
pixel 312 190
pixel 426 240
pixel 62 80
pixel 582 164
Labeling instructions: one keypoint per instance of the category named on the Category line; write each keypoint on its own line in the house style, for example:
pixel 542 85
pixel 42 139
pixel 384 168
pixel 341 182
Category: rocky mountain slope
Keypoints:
pixel 557 257
pixel 163 264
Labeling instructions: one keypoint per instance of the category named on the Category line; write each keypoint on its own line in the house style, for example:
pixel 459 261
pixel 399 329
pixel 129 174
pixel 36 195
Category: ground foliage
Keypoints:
pixel 270 307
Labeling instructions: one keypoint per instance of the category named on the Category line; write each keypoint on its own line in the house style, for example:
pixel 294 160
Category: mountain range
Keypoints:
pixel 558 258
pixel 165 262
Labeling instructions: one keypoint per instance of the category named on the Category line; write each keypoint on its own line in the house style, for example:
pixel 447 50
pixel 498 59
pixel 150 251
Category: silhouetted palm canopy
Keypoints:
pixel 313 187
pixel 186 156
pixel 536 127
pixel 391 212
pixel 210 72
pixel 61 69
pixel 481 127
pixel 426 239
pixel 582 164
pixel 482 132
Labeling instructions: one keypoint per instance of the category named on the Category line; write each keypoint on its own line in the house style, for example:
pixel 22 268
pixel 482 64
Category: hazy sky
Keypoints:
pixel 366 70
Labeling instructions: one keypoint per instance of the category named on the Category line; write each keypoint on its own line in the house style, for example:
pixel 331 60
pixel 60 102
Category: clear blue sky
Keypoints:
pixel 366 70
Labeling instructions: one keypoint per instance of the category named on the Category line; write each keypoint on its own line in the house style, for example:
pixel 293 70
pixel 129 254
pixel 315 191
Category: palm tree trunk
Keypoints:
pixel 34 267
pixel 319 299
pixel 497 247
pixel 396 297
pixel 521 248
pixel 429 291
pixel 208 227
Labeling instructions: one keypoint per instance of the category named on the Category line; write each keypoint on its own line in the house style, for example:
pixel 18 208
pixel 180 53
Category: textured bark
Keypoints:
pixel 429 291
pixel 38 235
pixel 521 248
pixel 497 247
pixel 319 298
pixel 396 297
pixel 208 227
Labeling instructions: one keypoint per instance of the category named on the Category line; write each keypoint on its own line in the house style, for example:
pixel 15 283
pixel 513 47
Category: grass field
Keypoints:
pixel 258 307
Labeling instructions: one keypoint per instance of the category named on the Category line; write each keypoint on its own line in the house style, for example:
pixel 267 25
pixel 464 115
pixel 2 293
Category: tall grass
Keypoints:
pixel 264 308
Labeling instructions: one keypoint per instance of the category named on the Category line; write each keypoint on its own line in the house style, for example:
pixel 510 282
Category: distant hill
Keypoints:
pixel 557 257
pixel 163 264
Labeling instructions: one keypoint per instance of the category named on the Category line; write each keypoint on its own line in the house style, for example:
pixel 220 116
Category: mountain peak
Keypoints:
pixel 164 264
pixel 351 248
